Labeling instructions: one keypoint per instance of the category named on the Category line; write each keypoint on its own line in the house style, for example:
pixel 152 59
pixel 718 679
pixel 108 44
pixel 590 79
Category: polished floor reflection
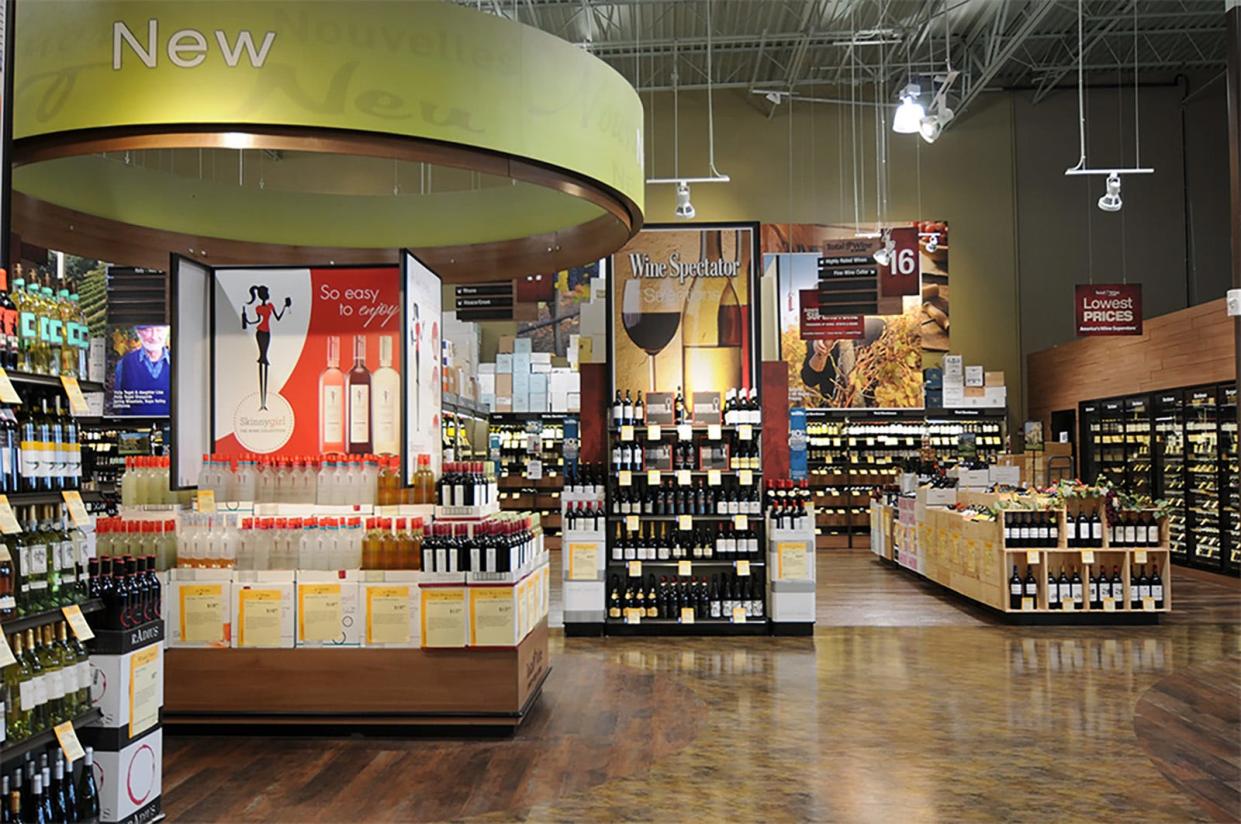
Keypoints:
pixel 878 717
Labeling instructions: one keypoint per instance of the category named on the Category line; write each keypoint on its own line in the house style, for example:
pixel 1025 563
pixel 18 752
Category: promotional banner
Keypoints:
pixel 681 310
pixel 1108 309
pixel 423 309
pixel 308 360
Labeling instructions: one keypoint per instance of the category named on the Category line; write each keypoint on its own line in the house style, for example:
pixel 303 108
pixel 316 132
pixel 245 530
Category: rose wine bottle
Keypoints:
pixel 332 401
pixel 359 400
pixel 386 402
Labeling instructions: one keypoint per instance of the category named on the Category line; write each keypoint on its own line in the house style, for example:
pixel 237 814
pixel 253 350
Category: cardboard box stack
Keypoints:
pixel 127 685
pixel 525 381
pixel 972 386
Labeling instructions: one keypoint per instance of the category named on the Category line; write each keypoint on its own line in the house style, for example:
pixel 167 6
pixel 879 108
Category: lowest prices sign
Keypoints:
pixel 1108 309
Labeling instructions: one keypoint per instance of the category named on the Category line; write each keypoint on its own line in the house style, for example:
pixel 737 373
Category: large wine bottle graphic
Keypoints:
pixel 332 401
pixel 386 402
pixel 359 398
pixel 712 326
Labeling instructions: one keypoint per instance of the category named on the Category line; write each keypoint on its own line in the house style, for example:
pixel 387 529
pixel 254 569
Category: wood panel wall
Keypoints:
pixel 1192 346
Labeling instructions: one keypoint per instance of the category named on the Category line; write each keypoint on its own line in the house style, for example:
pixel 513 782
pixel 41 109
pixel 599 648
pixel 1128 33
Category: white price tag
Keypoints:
pixel 685 432
pixel 683 477
pixel 654 432
pixel 745 432
pixel 713 477
pixel 714 431
pixel 741 522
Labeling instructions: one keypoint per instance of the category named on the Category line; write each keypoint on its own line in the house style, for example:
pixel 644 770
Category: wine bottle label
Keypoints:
pixel 26 692
pixel 1031 589
pixel 38 559
pixel 1157 592
pixel 55 686
pixel 333 422
pixel 1131 535
pixel 1152 535
pixel 1077 592
pixel 359 413
pixel 1072 525
pixel 40 690
pixel 1096 530
pixel 1014 588
pixel 29 325
pixel 29 460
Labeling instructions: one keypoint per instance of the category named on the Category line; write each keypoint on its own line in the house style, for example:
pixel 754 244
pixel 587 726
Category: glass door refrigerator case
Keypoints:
pixel 1103 439
pixel 1231 478
pixel 1203 482
pixel 1168 452
pixel 1137 470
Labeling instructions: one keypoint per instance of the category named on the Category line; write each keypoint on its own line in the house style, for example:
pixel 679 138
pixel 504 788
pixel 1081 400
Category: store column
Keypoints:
pixel 1232 11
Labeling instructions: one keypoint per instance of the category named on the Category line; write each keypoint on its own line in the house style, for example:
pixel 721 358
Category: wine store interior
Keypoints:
pixel 620 410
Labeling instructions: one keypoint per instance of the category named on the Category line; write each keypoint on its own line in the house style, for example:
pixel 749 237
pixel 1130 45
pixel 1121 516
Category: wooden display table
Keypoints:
pixel 470 686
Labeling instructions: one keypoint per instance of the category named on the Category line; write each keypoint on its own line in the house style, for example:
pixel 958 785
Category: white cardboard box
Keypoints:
pixel 382 602
pixel 263 609
pixel 111 679
pixel 320 592
pixel 200 608
pixel 132 779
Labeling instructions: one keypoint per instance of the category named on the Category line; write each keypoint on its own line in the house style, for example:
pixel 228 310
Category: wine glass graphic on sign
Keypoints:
pixel 651 312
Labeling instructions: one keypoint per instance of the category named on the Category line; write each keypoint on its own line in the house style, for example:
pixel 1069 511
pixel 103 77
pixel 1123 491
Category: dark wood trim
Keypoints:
pixel 1233 18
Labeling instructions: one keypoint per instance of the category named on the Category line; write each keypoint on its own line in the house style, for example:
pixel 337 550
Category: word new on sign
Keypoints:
pixel 1108 309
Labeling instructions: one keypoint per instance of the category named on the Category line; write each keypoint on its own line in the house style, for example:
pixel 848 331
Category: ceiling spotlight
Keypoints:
pixel 883 255
pixel 685 209
pixel 910 113
pixel 932 126
pixel 1111 202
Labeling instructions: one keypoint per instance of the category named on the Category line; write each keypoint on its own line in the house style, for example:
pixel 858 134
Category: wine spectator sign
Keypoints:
pixel 1108 309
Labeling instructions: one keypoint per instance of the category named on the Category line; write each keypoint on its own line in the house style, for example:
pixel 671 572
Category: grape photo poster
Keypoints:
pixel 682 315
pixel 307 361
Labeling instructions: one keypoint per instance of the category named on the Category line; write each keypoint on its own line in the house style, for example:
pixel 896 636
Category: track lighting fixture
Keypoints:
pixel 932 125
pixel 685 209
pixel 910 113
pixel 883 255
pixel 1111 201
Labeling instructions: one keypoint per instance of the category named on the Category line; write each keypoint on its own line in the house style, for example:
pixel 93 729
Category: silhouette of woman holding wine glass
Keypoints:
pixel 263 314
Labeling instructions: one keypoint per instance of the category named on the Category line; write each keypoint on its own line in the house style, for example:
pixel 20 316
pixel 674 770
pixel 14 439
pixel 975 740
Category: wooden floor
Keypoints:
pixel 907 705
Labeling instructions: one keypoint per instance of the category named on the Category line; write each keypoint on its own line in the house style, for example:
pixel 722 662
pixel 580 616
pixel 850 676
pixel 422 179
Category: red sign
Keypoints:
pixel 815 326
pixel 904 274
pixel 1108 309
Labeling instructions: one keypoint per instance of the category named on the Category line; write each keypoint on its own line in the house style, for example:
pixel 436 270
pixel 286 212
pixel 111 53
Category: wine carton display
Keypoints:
pixel 326 609
pixel 130 780
pixel 391 610
pixel 129 691
pixel 200 608
pixel 263 609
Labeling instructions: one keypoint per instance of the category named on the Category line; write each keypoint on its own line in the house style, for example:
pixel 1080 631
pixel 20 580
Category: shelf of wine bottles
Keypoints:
pixel 47 616
pixel 684 517
pixel 14 750
pixel 23 379
pixel 43 787
pixel 1178 445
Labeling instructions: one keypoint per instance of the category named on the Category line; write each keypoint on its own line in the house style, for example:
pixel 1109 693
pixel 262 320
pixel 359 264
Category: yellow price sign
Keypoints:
pixel 76 507
pixel 714 431
pixel 632 523
pixel 1087 556
pixel 625 478
pixel 745 477
pixel 653 476
pixel 206 500
pixel 633 615
pixel 635 569
pixel 67 737
pixel 745 432
pixel 626 433
pixel 6 652
pixel 1139 556
pixel 1031 556
pixel 77 622
pixel 738 615
pixel 1027 604
pixel 685 522
pixel 743 568
pixel 1109 604
pixel 741 522
pixel 687 615
pixel 685 567
pixel 8 521
pixel 7 393
pixel 77 401
pixel 683 477
pixel 654 432
pixel 713 477
pixel 1148 604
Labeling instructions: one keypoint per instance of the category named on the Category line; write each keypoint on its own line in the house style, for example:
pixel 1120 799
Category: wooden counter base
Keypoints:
pixel 460 687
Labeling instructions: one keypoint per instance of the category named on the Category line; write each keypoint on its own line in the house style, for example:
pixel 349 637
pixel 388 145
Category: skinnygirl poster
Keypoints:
pixel 308 361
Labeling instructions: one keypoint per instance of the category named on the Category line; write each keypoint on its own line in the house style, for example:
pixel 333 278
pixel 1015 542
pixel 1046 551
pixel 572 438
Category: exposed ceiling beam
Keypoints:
pixel 1091 39
pixel 1034 14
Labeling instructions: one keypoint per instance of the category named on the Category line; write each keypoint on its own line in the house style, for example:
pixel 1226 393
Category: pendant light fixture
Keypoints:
pixel 684 209
pixel 909 114
pixel 1110 201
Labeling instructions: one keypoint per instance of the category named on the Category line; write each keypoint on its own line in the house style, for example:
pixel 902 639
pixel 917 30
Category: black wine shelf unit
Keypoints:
pixel 47 617
pixel 11 752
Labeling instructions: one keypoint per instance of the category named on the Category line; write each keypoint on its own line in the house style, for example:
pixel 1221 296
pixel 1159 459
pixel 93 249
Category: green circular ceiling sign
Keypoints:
pixel 421 81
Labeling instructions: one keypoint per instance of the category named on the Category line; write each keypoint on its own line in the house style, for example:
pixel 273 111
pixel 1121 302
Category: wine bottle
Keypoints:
pixel 1015 589
pixel 87 791
pixel 1156 587
pixel 359 381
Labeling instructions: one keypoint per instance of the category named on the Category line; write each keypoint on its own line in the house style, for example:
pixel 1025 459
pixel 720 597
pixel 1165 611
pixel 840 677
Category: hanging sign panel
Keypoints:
pixel 485 301
pixel 815 325
pixel 1108 309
